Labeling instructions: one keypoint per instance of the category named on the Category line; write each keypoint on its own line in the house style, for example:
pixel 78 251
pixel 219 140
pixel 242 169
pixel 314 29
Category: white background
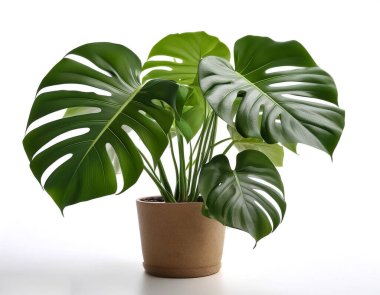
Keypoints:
pixel 329 241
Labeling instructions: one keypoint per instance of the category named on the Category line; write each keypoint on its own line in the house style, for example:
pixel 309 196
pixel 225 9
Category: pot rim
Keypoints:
pixel 143 200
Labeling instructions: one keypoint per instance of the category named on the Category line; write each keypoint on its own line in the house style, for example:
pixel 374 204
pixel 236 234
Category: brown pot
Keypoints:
pixel 177 240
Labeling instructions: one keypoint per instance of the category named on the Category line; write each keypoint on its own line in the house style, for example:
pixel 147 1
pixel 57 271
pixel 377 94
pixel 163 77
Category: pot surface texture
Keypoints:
pixel 177 240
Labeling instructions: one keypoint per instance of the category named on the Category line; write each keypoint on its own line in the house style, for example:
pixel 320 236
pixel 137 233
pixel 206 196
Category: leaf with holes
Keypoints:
pixel 176 57
pixel 250 198
pixel 280 82
pixel 88 171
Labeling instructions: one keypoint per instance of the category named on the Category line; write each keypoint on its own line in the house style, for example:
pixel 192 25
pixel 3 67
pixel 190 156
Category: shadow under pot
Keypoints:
pixel 177 240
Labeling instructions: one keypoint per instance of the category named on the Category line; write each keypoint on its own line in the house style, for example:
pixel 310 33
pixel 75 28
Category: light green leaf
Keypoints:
pixel 291 147
pixel 181 54
pixel 274 151
pixel 176 57
pixel 193 113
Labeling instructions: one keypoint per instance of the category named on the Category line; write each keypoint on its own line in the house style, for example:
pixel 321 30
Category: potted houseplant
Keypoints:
pixel 275 96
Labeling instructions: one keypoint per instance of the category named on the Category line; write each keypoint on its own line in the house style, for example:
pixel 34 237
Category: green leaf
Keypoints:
pixel 193 112
pixel 176 57
pixel 250 198
pixel 297 105
pixel 183 53
pixel 76 111
pixel 89 172
pixel 274 152
pixel 291 147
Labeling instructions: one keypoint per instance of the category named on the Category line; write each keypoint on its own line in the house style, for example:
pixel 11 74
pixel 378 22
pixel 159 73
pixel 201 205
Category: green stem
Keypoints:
pixel 208 151
pixel 173 156
pixel 198 146
pixel 228 147
pixel 165 194
pixel 163 177
pixel 221 141
pixel 182 169
pixel 202 154
pixel 168 196
pixel 200 137
pixel 209 137
pixel 211 146
pixel 190 166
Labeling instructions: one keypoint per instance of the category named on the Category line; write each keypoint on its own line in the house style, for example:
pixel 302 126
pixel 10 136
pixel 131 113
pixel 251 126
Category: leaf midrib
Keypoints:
pixel 250 83
pixel 131 97
pixel 242 193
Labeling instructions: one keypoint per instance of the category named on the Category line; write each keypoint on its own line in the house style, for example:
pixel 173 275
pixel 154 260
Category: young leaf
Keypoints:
pixel 176 57
pixel 273 151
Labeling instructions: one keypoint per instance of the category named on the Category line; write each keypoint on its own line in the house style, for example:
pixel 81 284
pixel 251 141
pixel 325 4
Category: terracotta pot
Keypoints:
pixel 177 240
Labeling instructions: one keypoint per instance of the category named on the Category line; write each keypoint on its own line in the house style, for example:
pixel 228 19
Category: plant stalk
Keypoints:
pixel 182 170
pixel 167 195
pixel 163 177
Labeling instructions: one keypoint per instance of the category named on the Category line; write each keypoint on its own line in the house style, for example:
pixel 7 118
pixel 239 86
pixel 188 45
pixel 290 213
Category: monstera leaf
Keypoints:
pixel 276 92
pixel 176 57
pixel 274 151
pixel 191 112
pixel 124 103
pixel 250 198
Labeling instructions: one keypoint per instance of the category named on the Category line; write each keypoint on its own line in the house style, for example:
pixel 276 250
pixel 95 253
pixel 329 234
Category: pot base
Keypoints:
pixel 165 272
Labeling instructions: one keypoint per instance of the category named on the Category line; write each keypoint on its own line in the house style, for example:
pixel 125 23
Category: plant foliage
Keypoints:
pixel 275 96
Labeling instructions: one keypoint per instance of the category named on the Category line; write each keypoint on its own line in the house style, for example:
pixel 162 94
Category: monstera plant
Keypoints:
pixel 274 96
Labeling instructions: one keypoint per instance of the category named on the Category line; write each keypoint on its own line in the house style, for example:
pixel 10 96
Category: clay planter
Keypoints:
pixel 177 240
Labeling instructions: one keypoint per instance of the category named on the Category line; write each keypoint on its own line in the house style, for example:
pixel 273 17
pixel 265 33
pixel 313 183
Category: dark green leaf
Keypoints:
pixel 250 198
pixel 297 105
pixel 89 172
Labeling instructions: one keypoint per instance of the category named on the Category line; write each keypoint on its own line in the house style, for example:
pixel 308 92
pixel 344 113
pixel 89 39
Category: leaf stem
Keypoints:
pixel 163 177
pixel 212 141
pixel 190 165
pixel 221 141
pixel 198 146
pixel 182 169
pixel 207 139
pixel 173 157
pixel 167 195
